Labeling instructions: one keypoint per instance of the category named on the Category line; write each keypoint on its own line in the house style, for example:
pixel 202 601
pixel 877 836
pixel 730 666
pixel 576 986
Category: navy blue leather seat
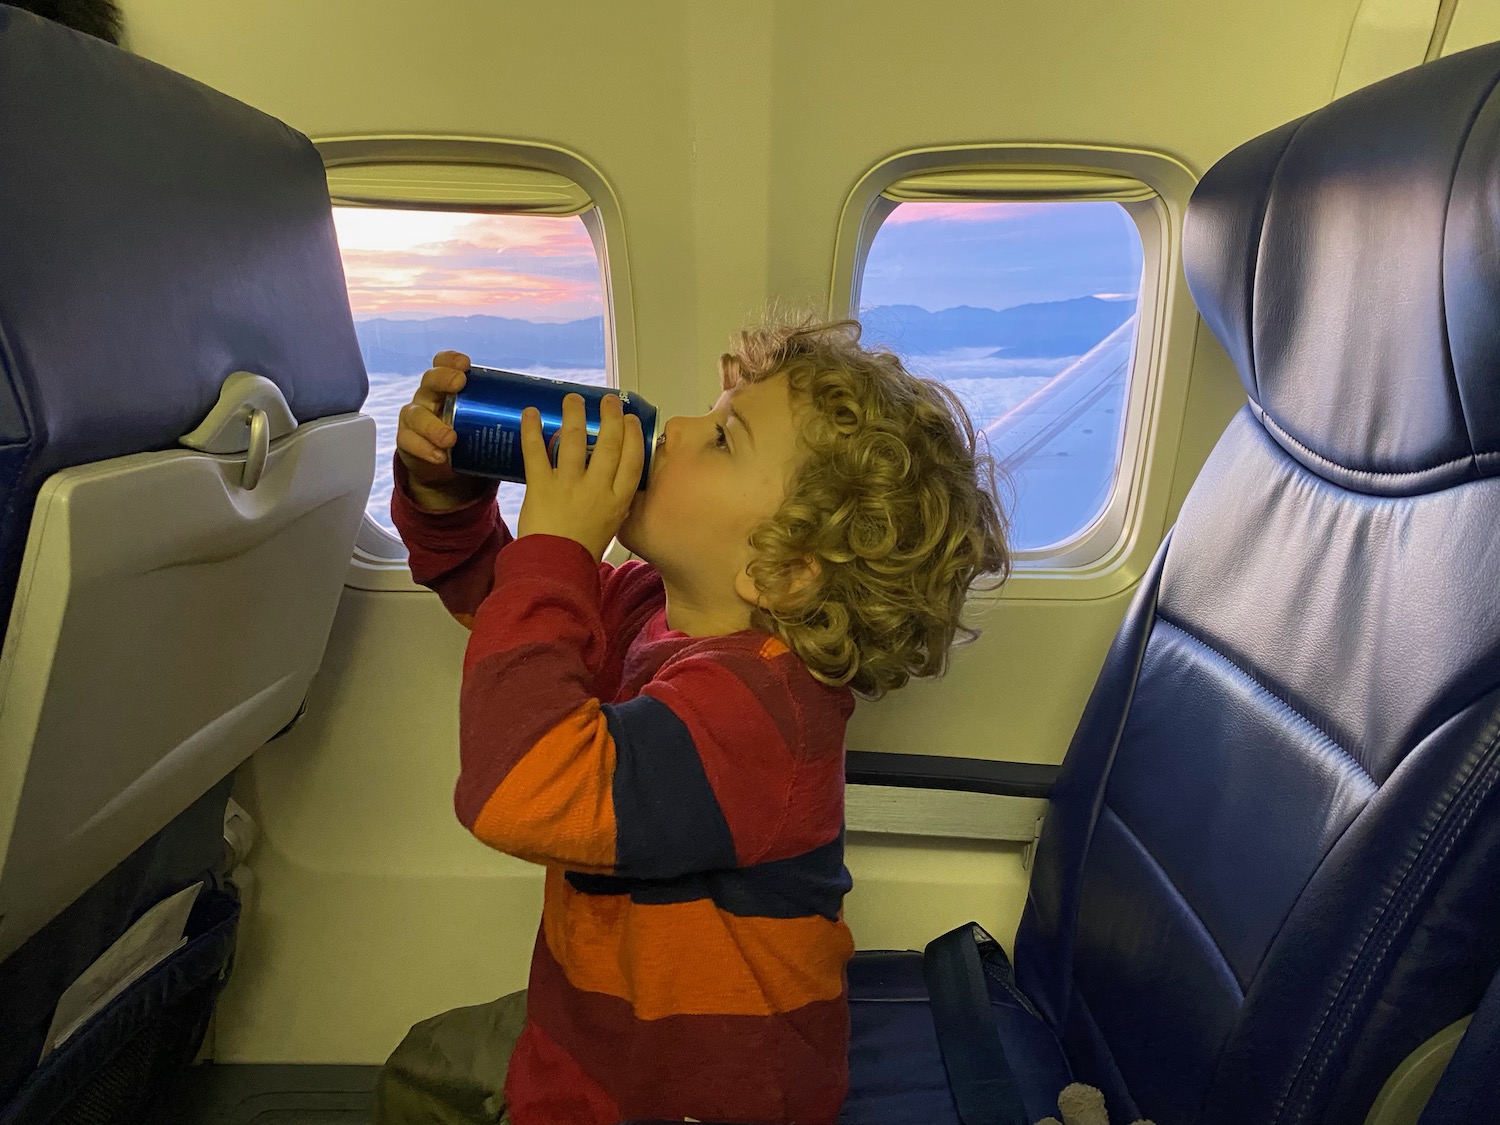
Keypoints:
pixel 1271 863
pixel 158 236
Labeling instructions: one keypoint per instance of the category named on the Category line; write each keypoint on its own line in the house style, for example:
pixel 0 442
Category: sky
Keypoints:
pixel 416 264
pixel 998 255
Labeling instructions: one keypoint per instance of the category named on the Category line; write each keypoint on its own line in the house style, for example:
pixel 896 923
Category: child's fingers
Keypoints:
pixel 422 436
pixel 436 383
pixel 417 419
pixel 533 448
pixel 414 444
pixel 572 440
pixel 428 443
pixel 451 359
pixel 632 458
pixel 606 455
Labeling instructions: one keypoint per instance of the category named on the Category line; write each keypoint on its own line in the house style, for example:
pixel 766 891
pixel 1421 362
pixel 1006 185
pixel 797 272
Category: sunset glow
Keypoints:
pixel 962 212
pixel 413 264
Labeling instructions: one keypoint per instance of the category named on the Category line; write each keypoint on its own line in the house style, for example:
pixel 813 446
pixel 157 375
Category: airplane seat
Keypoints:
pixel 183 470
pixel 1268 873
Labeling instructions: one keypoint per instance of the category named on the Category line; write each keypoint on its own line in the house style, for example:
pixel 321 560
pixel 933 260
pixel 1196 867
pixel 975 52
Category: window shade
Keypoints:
pixel 469 187
pixel 1016 185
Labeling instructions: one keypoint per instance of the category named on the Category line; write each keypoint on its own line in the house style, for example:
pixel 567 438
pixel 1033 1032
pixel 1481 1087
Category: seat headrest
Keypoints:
pixel 1349 262
pixel 157 236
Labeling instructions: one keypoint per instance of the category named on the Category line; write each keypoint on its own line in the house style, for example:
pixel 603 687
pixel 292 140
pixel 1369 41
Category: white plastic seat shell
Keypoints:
pixel 167 622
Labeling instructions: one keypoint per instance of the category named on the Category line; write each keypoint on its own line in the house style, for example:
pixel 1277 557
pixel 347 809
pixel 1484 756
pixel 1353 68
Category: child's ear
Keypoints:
pixel 804 573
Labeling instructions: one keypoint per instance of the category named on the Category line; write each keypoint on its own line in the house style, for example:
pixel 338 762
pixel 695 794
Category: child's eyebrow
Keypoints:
pixel 733 413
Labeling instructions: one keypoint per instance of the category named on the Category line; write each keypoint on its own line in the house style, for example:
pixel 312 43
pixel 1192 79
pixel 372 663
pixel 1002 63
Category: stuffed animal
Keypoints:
pixel 1081 1105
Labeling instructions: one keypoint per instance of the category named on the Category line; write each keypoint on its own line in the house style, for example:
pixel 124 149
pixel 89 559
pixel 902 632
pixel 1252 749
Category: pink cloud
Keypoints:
pixel 382 283
pixel 536 234
pixel 404 263
pixel 961 212
pixel 377 289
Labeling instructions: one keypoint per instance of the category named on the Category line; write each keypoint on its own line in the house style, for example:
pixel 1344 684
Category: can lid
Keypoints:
pixel 450 404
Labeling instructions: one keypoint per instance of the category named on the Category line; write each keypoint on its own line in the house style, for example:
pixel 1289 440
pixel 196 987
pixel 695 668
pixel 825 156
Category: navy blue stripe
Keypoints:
pixel 813 883
pixel 667 820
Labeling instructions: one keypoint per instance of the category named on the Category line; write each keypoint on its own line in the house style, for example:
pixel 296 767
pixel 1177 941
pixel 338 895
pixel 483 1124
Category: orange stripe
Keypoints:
pixel 465 619
pixel 557 803
pixel 772 649
pixel 690 958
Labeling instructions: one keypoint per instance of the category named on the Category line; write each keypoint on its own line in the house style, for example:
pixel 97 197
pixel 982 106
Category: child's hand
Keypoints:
pixel 585 502
pixel 423 438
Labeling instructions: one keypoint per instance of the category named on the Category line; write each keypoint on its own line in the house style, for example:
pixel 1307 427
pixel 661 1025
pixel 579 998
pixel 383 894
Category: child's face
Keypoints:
pixel 713 479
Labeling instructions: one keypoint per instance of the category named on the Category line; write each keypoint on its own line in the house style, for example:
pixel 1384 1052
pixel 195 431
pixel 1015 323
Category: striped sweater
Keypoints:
pixel 685 795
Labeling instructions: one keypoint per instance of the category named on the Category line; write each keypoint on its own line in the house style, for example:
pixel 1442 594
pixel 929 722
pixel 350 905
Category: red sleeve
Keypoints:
pixel 452 553
pixel 728 757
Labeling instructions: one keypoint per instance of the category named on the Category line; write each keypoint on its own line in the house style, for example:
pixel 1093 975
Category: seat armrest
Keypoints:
pixel 964 775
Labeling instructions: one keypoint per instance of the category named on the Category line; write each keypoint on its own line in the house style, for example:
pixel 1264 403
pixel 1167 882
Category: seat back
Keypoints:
pixel 1270 867
pixel 167 609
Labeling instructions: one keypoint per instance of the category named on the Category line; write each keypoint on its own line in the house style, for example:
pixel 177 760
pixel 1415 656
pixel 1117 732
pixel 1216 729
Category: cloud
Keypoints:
pixel 381 288
pixel 541 235
pixel 427 263
pixel 977 254
pixel 576 267
pixel 960 212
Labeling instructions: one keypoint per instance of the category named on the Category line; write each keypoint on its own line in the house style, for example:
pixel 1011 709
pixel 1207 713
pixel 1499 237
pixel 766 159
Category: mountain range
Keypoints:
pixel 1049 328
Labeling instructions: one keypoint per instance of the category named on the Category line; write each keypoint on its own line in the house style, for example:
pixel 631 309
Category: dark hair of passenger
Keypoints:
pixel 99 18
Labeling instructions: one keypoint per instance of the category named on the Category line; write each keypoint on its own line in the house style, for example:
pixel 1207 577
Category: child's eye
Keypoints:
pixel 723 441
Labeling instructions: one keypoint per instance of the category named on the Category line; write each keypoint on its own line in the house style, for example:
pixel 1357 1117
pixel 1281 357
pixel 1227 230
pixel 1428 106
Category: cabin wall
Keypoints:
pixel 731 133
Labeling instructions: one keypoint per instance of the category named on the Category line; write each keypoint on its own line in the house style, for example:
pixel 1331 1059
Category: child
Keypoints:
pixel 666 736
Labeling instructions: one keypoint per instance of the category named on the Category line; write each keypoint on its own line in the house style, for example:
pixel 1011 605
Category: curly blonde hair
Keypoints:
pixel 895 502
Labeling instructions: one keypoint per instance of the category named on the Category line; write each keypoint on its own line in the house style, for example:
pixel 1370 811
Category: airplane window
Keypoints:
pixel 1027 311
pixel 522 292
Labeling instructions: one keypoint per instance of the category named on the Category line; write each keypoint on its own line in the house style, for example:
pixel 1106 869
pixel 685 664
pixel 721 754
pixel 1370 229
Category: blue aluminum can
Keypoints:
pixel 486 415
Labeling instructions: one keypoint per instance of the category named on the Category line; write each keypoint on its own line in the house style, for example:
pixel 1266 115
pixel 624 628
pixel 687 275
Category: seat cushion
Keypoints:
pixel 1269 865
pixel 896 1073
